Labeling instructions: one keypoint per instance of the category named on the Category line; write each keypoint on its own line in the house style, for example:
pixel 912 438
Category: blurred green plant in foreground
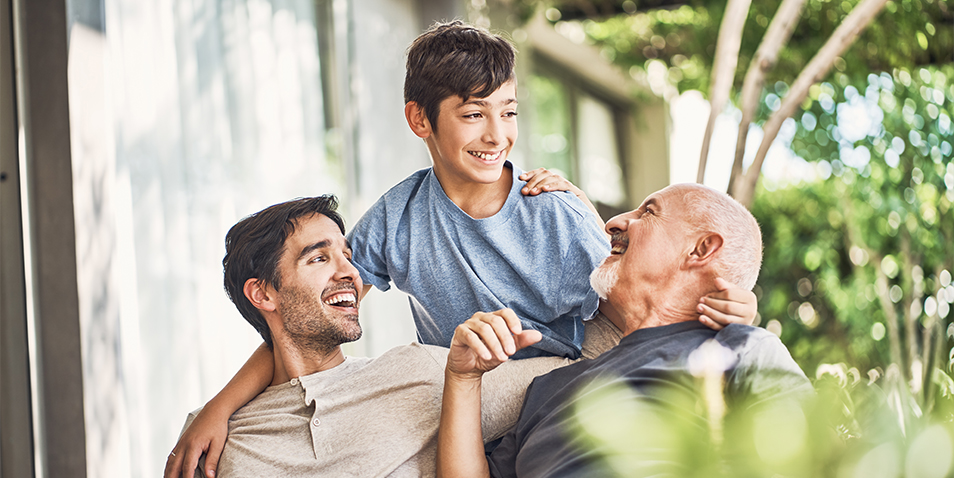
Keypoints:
pixel 855 426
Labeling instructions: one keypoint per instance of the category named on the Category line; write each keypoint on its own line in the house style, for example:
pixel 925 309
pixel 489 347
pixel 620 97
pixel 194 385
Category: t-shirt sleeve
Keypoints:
pixel 503 389
pixel 766 372
pixel 587 249
pixel 368 241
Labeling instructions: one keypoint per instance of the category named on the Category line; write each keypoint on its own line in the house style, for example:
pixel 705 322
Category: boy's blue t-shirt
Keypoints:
pixel 534 256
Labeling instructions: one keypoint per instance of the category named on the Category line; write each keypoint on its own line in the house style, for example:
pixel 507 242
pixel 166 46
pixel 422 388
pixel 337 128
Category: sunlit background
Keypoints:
pixel 187 116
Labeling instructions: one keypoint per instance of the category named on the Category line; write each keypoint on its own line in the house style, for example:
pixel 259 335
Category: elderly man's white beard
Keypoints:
pixel 604 278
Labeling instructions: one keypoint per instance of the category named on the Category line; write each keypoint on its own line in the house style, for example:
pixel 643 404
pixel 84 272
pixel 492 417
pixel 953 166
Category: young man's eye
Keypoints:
pixel 472 116
pixel 318 259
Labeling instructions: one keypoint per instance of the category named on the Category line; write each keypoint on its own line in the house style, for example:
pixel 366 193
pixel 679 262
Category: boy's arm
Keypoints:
pixel 207 433
pixel 479 345
pixel 540 180
pixel 730 305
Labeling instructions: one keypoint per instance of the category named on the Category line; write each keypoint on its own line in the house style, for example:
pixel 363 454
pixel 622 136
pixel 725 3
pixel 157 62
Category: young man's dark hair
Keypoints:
pixel 255 244
pixel 455 59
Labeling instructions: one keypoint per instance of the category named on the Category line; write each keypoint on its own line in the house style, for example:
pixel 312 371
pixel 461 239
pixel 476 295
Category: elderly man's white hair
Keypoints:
pixel 710 210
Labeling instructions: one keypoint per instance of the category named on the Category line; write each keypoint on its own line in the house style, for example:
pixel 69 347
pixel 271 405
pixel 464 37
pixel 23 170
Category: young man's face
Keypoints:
pixel 318 300
pixel 474 137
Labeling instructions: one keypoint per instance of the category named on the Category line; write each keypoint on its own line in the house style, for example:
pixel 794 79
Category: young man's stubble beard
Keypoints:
pixel 308 325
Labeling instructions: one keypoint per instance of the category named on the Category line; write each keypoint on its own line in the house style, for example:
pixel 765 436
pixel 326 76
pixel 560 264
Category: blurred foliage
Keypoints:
pixel 907 34
pixel 853 427
pixel 859 261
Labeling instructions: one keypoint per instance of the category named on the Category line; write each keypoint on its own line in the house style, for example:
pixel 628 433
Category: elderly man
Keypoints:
pixel 665 255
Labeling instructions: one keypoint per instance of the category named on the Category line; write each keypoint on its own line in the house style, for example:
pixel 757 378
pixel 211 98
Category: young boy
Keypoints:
pixel 467 235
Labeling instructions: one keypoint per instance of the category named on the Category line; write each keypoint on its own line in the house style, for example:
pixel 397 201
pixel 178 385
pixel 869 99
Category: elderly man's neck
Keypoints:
pixel 292 361
pixel 646 315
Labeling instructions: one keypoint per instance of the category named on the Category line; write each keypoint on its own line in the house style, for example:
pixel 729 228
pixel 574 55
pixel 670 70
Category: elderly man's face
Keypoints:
pixel 647 247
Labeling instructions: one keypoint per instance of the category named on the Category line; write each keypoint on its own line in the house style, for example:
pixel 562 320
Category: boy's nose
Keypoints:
pixel 493 134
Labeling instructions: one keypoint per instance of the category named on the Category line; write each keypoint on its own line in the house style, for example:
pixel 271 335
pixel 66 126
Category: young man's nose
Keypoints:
pixel 345 269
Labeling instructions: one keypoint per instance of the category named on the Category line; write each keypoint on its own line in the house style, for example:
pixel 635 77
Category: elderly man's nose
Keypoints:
pixel 617 224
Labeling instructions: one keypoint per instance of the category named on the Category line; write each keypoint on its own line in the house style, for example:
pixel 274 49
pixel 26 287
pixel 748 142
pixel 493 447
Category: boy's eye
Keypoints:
pixel 510 114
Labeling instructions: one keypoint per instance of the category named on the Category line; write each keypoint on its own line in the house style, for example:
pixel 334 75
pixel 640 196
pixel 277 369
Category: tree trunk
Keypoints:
pixel 776 36
pixel 723 70
pixel 815 71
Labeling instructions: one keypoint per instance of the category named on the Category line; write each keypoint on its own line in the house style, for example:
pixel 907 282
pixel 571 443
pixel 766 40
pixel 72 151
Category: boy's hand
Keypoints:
pixel 487 340
pixel 206 434
pixel 540 180
pixel 730 305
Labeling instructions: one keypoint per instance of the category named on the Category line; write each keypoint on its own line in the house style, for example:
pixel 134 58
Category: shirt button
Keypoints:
pixel 315 422
pixel 294 381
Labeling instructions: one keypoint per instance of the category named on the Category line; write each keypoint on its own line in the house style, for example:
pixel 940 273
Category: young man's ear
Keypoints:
pixel 417 120
pixel 259 294
pixel 705 249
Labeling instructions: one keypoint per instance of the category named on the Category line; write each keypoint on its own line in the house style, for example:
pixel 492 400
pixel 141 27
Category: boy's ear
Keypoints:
pixel 259 294
pixel 705 249
pixel 417 120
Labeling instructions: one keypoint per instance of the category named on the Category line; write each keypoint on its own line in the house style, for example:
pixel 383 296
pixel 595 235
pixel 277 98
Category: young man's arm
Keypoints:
pixel 479 345
pixel 730 305
pixel 207 433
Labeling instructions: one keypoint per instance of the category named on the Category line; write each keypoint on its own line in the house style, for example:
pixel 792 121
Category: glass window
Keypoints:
pixel 550 126
pixel 576 134
pixel 185 117
pixel 600 173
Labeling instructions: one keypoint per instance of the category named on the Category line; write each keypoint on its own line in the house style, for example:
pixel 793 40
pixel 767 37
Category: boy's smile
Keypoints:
pixel 472 140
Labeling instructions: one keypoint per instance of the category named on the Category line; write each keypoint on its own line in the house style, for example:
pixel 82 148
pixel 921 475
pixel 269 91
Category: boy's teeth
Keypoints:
pixel 485 156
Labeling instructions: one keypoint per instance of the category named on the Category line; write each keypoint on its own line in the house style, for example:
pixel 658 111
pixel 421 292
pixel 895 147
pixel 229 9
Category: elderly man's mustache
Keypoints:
pixel 620 242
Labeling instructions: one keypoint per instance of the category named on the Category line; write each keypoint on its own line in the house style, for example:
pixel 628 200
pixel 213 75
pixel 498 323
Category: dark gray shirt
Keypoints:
pixel 654 362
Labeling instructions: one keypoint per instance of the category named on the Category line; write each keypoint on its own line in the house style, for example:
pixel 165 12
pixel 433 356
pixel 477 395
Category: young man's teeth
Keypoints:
pixel 348 299
pixel 485 156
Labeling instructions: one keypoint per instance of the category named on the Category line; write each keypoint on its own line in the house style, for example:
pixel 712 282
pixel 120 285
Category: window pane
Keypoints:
pixel 600 173
pixel 185 117
pixel 550 126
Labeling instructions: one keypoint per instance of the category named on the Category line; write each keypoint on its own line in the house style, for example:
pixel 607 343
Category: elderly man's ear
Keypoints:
pixel 705 249
pixel 259 294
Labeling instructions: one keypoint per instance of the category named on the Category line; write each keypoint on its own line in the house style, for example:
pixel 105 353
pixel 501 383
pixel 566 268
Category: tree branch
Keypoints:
pixel 723 70
pixel 817 68
pixel 777 35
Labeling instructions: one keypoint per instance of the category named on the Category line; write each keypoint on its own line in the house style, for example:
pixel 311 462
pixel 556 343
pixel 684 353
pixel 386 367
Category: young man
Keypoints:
pixel 288 270
pixel 467 235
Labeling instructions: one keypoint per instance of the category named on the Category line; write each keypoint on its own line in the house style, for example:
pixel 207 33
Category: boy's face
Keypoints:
pixel 474 137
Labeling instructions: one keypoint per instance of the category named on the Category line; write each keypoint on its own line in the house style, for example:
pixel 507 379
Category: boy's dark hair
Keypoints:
pixel 254 245
pixel 455 59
